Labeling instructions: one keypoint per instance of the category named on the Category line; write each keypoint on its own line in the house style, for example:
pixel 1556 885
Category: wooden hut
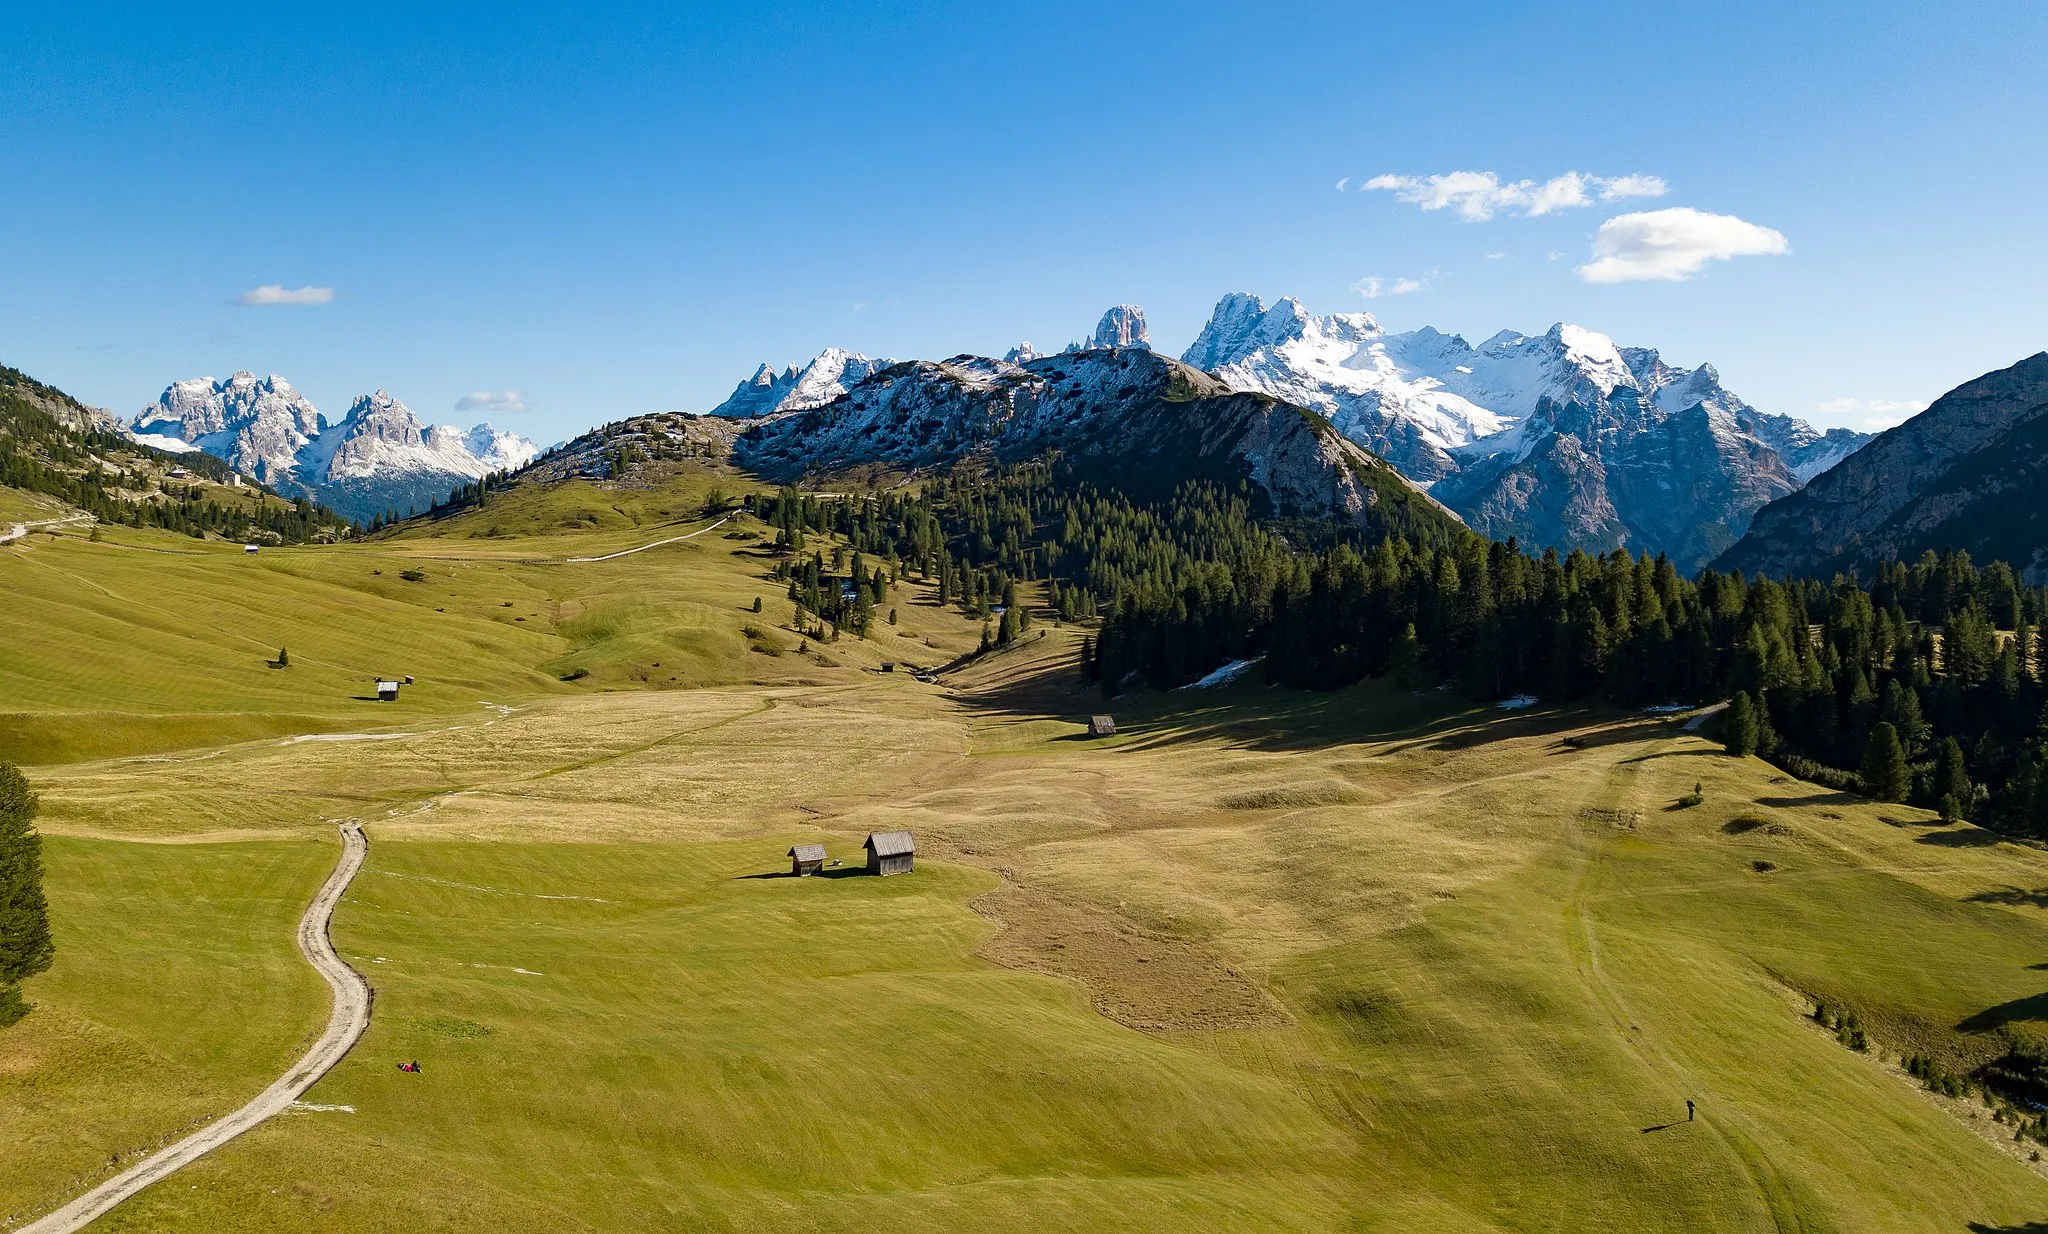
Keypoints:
pixel 1102 726
pixel 387 691
pixel 806 860
pixel 890 852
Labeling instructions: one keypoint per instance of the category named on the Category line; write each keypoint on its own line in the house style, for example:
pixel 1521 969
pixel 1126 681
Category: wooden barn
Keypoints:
pixel 387 691
pixel 890 852
pixel 806 860
pixel 1102 726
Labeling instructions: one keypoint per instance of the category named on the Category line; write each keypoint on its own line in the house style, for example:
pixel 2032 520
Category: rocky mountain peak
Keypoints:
pixel 1122 326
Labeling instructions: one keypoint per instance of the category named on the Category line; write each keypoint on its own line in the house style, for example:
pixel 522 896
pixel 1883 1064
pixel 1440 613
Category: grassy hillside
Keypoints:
pixel 143 641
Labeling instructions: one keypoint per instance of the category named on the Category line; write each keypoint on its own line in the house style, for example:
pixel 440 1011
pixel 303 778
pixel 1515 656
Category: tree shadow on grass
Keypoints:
pixel 1964 836
pixel 841 872
pixel 2029 1227
pixel 2016 896
pixel 1831 797
pixel 1656 754
pixel 2032 1007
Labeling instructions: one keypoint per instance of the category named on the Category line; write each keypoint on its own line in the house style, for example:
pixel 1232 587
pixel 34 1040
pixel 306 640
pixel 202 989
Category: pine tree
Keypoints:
pixel 25 945
pixel 284 659
pixel 1739 727
pixel 1405 662
pixel 1900 707
pixel 1953 791
pixel 1884 764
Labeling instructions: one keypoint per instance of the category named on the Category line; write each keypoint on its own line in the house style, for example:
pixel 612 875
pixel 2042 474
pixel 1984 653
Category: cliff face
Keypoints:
pixel 1620 473
pixel 1962 474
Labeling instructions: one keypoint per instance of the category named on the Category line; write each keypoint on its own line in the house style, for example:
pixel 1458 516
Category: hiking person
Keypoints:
pixel 1688 1107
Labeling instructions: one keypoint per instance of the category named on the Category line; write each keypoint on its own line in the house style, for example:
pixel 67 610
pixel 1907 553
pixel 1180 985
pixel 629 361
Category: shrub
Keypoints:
pixel 413 576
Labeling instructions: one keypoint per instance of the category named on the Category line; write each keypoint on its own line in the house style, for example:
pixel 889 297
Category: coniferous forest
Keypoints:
pixel 1922 684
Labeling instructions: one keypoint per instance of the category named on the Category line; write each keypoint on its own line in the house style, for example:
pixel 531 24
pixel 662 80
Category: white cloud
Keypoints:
pixel 1479 195
pixel 1674 244
pixel 277 293
pixel 504 402
pixel 1341 183
pixel 1373 287
pixel 1495 256
pixel 1872 414
pixel 1633 186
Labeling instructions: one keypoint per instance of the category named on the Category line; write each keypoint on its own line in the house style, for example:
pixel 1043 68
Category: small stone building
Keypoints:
pixel 890 852
pixel 806 860
pixel 1102 726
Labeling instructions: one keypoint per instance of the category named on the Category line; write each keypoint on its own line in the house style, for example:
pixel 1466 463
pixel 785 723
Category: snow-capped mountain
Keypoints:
pixel 1559 439
pixel 767 392
pixel 257 425
pixel 378 459
pixel 1125 416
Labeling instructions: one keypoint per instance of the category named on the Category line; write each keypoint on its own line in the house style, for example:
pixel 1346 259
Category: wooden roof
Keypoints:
pixel 890 843
pixel 808 852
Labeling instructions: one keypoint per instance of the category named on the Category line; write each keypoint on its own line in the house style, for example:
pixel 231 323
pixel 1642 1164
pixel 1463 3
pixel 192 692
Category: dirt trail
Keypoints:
pixel 18 530
pixel 344 1027
pixel 657 544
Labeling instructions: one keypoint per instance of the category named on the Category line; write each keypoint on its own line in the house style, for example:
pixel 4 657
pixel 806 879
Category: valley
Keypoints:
pixel 1370 958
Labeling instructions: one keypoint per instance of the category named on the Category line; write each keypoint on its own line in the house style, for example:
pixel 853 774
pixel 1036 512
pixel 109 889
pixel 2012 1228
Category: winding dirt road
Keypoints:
pixel 344 1027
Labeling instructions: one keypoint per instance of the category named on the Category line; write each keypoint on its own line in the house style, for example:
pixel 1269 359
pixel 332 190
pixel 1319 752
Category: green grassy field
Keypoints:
pixel 1365 960
pixel 180 995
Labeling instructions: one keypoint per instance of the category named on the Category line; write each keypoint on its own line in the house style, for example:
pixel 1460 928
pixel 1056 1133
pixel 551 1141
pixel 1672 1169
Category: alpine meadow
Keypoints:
pixel 1356 769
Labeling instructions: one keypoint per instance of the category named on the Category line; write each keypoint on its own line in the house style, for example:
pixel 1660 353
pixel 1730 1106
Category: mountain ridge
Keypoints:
pixel 1139 420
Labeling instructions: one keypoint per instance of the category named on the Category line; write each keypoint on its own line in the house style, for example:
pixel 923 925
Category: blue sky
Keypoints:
pixel 619 210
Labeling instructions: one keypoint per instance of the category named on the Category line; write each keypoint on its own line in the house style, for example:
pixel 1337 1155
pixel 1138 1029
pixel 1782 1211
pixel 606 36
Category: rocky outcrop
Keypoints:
pixel 1964 474
pixel 1122 326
